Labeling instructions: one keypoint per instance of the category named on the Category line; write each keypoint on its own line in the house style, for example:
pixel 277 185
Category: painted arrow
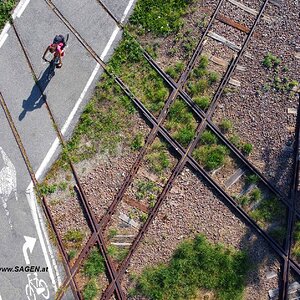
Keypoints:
pixel 29 244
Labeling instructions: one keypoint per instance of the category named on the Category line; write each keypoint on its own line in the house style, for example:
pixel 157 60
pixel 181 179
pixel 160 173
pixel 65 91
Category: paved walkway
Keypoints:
pixel 22 231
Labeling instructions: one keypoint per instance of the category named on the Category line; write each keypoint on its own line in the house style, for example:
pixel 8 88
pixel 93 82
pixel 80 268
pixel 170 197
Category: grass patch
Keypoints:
pixel 210 154
pixel 181 122
pixel 6 6
pixel 196 265
pixel 90 290
pixel 145 83
pixel 117 253
pixel 252 179
pixel 74 238
pixel 161 17
pixel 137 142
pixel 158 157
pixel 94 265
pixel 226 125
pixel 269 210
pixel 176 70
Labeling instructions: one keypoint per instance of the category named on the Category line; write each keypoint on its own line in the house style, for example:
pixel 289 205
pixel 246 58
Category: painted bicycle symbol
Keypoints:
pixel 36 286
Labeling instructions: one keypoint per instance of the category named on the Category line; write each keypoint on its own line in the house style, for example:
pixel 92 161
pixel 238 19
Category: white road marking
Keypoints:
pixel 39 223
pixel 28 245
pixel 8 183
pixel 130 3
pixel 4 34
pixel 17 13
pixel 33 207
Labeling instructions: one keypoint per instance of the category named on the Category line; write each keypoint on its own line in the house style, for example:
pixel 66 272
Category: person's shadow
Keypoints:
pixel 36 98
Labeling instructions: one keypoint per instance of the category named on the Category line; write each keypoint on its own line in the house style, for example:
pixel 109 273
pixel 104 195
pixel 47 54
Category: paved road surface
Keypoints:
pixel 66 93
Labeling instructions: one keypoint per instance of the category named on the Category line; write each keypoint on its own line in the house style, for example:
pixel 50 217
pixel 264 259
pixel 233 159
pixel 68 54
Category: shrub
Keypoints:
pixel 247 148
pixel 208 138
pixel 90 290
pixel 226 125
pixel 94 265
pixel 203 102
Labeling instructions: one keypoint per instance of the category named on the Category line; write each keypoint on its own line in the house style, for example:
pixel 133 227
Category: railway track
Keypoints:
pixel 186 158
pixel 139 105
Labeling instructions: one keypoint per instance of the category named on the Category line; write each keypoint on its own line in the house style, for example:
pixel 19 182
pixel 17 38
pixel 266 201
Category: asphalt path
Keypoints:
pixel 24 240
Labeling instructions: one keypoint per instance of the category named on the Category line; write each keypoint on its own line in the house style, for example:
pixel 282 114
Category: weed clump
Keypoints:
pixel 181 122
pixel 196 264
pixel 94 265
pixel 90 290
pixel 271 61
pixel 211 156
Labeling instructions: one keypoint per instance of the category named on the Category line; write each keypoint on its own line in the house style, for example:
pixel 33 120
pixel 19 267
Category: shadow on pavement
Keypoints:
pixel 36 98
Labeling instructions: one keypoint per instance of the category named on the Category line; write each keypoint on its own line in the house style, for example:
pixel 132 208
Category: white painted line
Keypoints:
pixel 111 40
pixel 32 204
pixel 4 34
pixel 22 8
pixel 54 264
pixel 75 108
pixel 127 10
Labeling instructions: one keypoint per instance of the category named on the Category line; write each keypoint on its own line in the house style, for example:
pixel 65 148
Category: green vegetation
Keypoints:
pixel 90 290
pixel 226 125
pixel 161 17
pixel 145 83
pixel 181 122
pixel 138 142
pixel 278 82
pixel 158 157
pixel 94 265
pixel 74 238
pixel 271 61
pixel 252 179
pixel 296 236
pixel 112 233
pixel 200 82
pixel 117 253
pixel 269 210
pixel 196 265
pixel 176 70
pixel 202 101
pixel 72 253
pixel 6 7
pixel 208 138
pixel 146 189
pixel 247 148
pixel 210 154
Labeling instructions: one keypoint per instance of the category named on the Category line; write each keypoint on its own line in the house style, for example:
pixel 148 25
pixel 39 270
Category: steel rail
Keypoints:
pixel 294 197
pixel 91 218
pixel 202 114
pixel 45 207
pixel 151 136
